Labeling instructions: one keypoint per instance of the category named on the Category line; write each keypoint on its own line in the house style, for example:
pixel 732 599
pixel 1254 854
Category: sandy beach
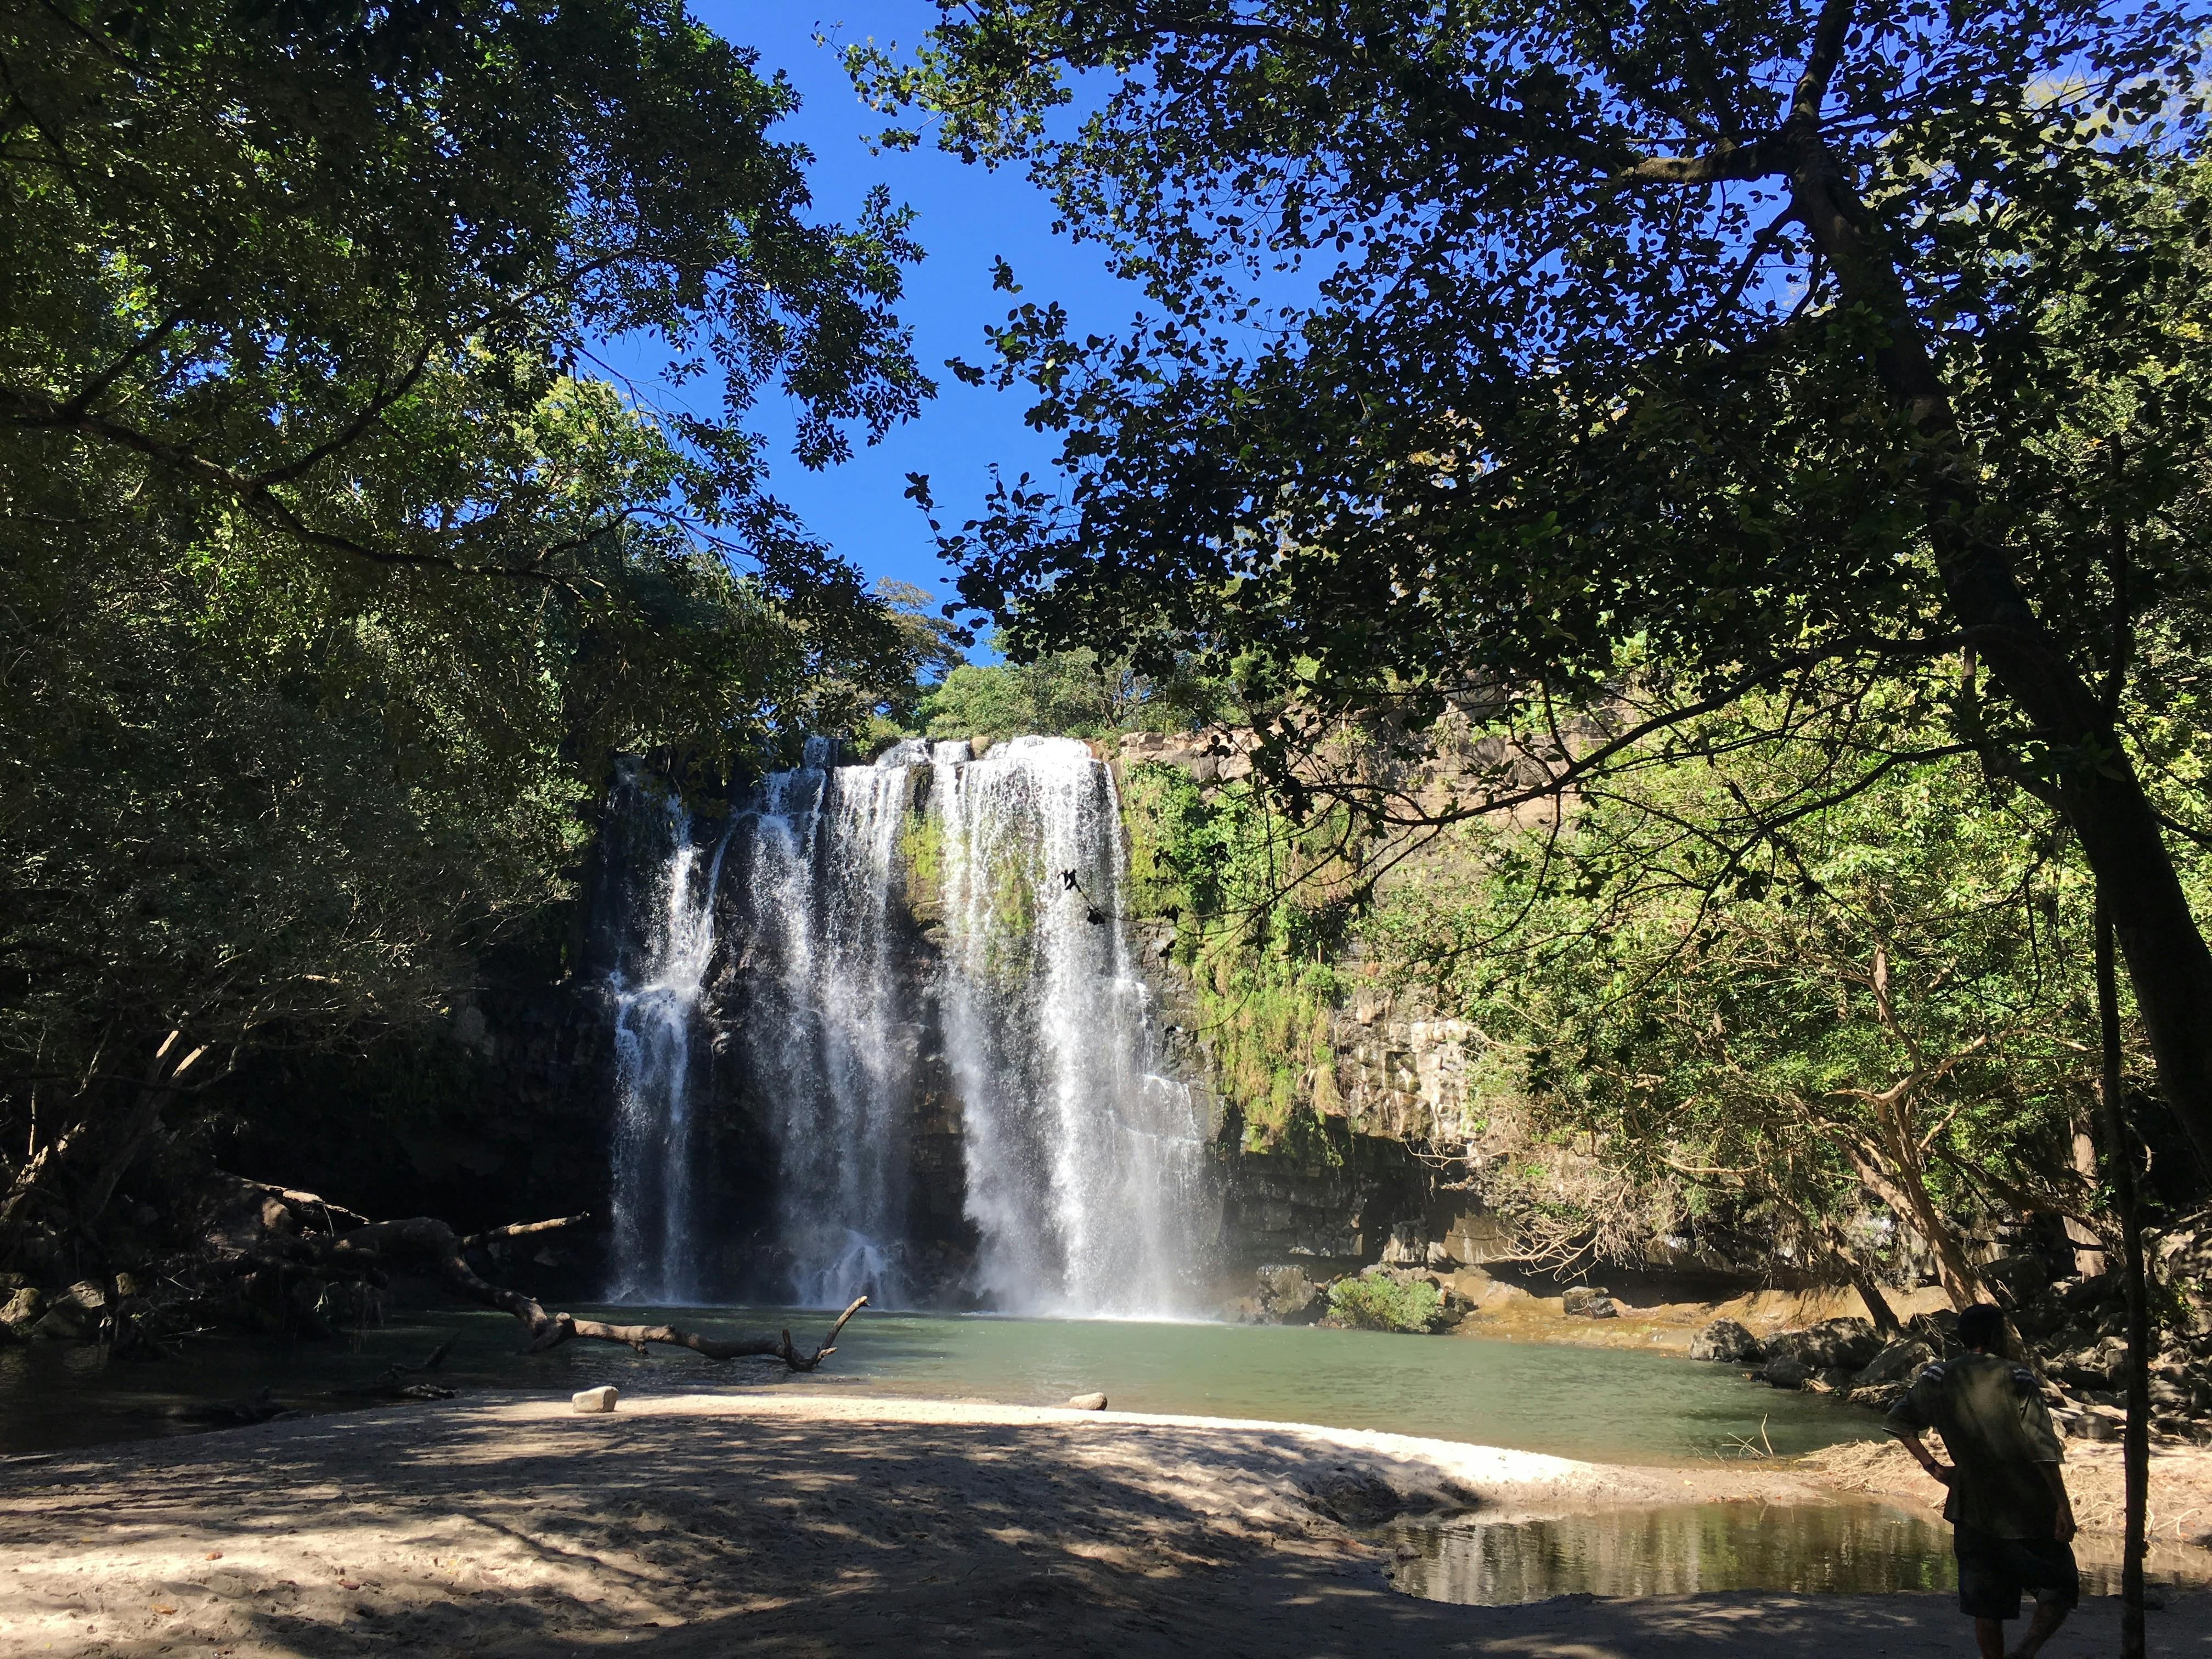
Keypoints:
pixel 787 1525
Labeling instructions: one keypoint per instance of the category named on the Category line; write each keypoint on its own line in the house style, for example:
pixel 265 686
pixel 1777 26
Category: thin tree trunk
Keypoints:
pixel 2099 792
pixel 2120 1162
pixel 1906 1195
pixel 2089 1248
pixel 129 1138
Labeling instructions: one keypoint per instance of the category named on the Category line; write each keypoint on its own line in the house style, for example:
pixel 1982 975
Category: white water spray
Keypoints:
pixel 1083 1159
pixel 656 1013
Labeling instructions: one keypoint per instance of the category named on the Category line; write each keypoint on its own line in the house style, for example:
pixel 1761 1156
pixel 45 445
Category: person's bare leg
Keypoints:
pixel 2048 1616
pixel 1989 1632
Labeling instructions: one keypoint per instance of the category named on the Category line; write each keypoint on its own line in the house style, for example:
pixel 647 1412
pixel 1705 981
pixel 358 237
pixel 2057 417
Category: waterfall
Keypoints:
pixel 821 1023
pixel 846 1007
pixel 656 999
pixel 1085 1161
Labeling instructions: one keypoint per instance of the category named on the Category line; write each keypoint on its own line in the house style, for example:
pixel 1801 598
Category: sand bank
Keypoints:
pixel 778 1524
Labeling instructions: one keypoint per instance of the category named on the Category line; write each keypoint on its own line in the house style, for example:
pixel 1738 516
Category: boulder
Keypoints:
pixel 601 1399
pixel 24 1307
pixel 1784 1372
pixel 1287 1295
pixel 1727 1343
pixel 1833 1344
pixel 1579 1299
pixel 61 1323
pixel 1900 1362
pixel 2021 1279
pixel 1087 1402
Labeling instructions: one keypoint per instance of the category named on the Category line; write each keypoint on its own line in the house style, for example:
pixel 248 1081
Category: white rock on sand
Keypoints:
pixel 783 1525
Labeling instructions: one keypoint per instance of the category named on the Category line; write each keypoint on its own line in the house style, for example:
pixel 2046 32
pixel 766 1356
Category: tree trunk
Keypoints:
pixel 155 1094
pixel 432 1243
pixel 2120 1160
pixel 2089 1248
pixel 1886 1322
pixel 2099 792
pixel 1906 1195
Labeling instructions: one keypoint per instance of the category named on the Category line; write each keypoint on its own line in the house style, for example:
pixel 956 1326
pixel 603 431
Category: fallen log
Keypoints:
pixel 427 1241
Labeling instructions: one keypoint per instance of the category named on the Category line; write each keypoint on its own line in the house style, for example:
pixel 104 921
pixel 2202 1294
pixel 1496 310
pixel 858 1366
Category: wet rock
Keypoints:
pixel 1727 1343
pixel 1784 1372
pixel 1582 1301
pixel 1087 1402
pixel 1288 1295
pixel 1900 1362
pixel 1832 1344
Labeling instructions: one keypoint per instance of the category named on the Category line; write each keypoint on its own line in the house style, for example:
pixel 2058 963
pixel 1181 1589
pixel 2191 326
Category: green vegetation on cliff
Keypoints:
pixel 1260 950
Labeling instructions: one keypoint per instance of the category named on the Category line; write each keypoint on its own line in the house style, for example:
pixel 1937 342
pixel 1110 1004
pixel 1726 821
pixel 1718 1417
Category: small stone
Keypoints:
pixel 1087 1402
pixel 1579 1301
pixel 600 1399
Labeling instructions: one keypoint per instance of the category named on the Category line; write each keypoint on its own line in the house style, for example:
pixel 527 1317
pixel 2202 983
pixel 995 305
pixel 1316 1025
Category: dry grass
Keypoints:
pixel 2180 1509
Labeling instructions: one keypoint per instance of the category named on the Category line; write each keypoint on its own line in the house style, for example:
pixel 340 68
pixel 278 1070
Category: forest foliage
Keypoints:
pixel 335 570
pixel 1550 366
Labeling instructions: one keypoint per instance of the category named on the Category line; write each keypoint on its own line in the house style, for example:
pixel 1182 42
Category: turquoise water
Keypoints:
pixel 1604 1404
pixel 1601 1404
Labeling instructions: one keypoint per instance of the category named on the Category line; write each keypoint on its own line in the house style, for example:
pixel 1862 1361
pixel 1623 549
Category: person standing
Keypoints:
pixel 2012 1523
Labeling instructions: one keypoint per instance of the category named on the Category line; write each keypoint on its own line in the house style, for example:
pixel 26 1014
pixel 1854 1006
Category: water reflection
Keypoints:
pixel 1851 1546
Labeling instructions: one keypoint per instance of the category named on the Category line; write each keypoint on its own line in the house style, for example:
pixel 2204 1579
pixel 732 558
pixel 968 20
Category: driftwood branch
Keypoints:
pixel 522 1229
pixel 426 1242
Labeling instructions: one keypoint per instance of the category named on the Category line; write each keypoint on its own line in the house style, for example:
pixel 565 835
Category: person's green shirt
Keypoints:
pixel 1993 1421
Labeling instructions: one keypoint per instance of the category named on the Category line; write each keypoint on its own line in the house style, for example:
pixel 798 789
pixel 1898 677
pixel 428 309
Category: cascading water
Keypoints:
pixel 822 1027
pixel 1085 1162
pixel 836 1023
pixel 656 1011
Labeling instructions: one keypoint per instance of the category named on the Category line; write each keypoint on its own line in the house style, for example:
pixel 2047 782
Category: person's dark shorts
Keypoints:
pixel 1993 1571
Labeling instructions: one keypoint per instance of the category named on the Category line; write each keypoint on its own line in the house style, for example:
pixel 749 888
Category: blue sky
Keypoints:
pixel 966 216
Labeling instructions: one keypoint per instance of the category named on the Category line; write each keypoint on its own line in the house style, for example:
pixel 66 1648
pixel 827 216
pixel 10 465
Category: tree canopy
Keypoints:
pixel 1503 358
pixel 337 566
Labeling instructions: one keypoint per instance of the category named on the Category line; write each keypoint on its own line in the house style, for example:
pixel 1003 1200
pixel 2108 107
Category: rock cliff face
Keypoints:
pixel 519 1121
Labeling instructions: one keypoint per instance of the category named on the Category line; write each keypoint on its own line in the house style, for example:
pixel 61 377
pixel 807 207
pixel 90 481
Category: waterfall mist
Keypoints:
pixel 932 940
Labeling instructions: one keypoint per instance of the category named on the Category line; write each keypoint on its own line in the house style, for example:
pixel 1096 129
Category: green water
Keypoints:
pixel 1850 1547
pixel 1604 1405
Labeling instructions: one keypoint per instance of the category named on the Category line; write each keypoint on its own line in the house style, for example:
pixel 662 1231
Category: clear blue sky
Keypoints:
pixel 965 216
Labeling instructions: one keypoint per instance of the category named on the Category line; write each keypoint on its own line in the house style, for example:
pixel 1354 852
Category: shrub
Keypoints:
pixel 1376 1302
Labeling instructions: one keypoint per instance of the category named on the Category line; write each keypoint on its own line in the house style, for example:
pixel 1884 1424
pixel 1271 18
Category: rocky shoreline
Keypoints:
pixel 2071 1326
